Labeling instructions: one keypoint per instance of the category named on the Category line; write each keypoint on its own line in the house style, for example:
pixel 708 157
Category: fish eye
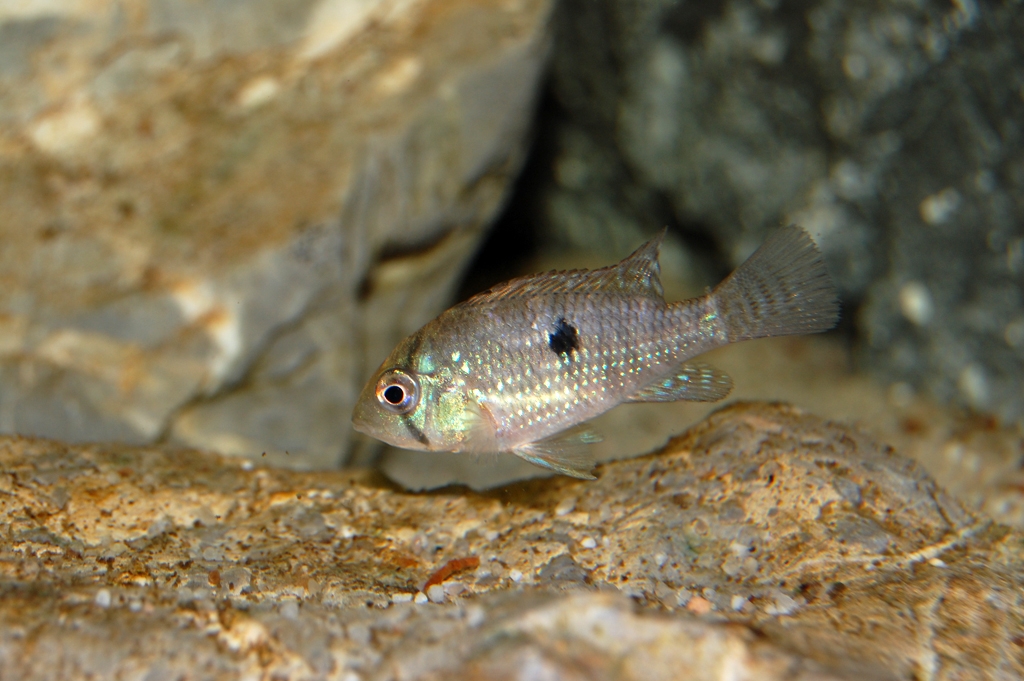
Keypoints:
pixel 398 392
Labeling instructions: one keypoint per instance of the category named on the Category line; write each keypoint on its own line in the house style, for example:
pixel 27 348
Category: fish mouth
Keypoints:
pixel 359 426
pixel 366 419
pixel 361 420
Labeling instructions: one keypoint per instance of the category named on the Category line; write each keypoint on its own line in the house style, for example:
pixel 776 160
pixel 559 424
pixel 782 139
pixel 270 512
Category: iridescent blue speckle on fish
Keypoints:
pixel 519 368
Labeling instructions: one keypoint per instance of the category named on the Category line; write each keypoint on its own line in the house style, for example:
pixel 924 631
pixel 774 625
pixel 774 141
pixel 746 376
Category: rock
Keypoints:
pixel 764 541
pixel 218 216
pixel 890 131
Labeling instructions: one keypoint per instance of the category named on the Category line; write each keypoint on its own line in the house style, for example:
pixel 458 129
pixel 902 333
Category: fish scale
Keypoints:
pixel 624 342
pixel 519 368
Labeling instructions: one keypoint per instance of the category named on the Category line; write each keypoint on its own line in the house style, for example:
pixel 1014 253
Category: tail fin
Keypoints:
pixel 783 289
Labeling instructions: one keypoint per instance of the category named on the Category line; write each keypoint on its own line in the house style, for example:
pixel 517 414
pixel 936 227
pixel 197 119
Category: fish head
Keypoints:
pixel 412 402
pixel 390 408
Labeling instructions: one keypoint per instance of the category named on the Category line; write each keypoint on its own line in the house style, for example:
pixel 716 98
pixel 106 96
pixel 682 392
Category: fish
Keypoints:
pixel 521 368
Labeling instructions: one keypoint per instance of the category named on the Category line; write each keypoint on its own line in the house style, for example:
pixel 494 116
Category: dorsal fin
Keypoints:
pixel 640 273
pixel 637 275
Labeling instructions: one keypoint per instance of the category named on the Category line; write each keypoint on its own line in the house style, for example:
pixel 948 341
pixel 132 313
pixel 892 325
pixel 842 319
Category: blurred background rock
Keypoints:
pixel 219 217
pixel 892 131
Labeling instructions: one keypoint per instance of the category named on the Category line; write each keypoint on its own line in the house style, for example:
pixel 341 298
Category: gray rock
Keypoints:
pixel 218 217
pixel 891 131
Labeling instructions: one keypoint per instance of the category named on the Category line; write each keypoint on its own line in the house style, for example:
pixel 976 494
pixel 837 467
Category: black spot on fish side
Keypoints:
pixel 565 339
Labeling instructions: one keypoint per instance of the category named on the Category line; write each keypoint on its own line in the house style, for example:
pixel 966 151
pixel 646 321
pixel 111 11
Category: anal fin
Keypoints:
pixel 564 453
pixel 694 381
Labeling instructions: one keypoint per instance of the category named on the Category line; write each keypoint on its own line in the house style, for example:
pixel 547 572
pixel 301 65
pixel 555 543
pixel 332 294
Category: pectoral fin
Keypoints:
pixel 565 453
pixel 477 426
pixel 695 381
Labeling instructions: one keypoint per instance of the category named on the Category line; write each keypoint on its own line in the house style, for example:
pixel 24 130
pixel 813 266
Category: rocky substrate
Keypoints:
pixel 764 543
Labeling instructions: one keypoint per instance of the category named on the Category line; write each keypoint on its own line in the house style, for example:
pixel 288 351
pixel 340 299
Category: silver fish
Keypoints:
pixel 518 368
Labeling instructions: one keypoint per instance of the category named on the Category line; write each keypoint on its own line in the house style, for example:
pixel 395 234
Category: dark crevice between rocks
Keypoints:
pixel 517 235
pixel 514 237
pixel 398 251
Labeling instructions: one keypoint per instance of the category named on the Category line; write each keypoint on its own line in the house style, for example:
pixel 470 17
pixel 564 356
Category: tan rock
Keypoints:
pixel 212 211
pixel 764 541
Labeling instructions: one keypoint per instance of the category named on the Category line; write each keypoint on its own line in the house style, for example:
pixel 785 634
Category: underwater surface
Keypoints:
pixel 220 218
